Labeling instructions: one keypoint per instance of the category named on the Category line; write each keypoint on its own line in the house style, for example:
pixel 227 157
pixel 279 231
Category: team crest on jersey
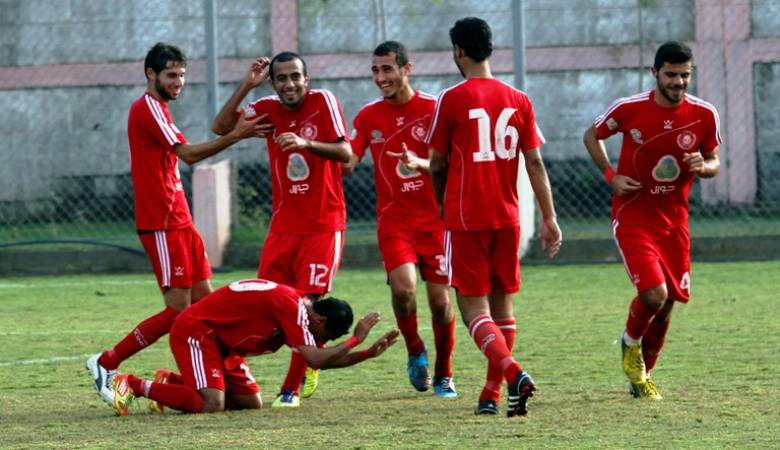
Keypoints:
pixel 666 169
pixel 636 135
pixel 403 172
pixel 612 124
pixel 297 169
pixel 399 121
pixel 377 137
pixel 686 140
pixel 308 130
pixel 419 132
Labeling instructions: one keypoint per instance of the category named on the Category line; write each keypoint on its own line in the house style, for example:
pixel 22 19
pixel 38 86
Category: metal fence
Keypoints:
pixel 70 70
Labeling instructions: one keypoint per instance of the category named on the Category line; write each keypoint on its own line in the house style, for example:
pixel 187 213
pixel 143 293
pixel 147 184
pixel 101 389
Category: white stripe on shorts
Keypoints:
pixel 336 258
pixel 448 256
pixel 196 358
pixel 164 257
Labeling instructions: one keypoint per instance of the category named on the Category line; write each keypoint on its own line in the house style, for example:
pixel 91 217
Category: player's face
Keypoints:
pixel 290 83
pixel 388 77
pixel 456 57
pixel 170 81
pixel 672 81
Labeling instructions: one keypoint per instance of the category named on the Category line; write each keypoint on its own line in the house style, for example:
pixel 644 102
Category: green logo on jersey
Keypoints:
pixel 297 169
pixel 667 169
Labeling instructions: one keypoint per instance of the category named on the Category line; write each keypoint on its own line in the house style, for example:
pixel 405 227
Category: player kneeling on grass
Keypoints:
pixel 211 339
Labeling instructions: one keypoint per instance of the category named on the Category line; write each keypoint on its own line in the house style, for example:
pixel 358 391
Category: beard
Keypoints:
pixel 161 91
pixel 669 95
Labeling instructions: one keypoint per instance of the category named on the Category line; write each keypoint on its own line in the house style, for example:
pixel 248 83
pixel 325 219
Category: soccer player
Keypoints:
pixel 162 215
pixel 669 137
pixel 409 230
pixel 211 339
pixel 478 127
pixel 306 234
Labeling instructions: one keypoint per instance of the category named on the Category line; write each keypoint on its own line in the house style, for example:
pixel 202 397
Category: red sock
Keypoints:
pixel 639 317
pixel 408 327
pixel 177 396
pixel 653 342
pixel 491 342
pixel 444 336
pixel 494 377
pixel 295 374
pixel 143 335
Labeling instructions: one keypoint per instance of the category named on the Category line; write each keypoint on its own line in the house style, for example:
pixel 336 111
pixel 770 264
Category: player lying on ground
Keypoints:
pixel 211 339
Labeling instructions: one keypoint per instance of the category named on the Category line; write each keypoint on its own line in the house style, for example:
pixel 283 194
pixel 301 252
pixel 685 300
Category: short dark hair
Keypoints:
pixel 338 315
pixel 672 52
pixel 473 35
pixel 387 47
pixel 161 54
pixel 284 57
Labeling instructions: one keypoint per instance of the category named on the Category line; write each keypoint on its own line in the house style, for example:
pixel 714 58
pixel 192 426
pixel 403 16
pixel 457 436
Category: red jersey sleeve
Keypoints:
pixel 156 119
pixel 532 135
pixel 359 139
pixel 438 136
pixel 294 321
pixel 711 138
pixel 611 121
pixel 334 122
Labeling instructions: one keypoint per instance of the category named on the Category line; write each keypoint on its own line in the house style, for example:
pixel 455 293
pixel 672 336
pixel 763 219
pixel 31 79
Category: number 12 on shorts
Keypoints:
pixel 487 150
pixel 316 274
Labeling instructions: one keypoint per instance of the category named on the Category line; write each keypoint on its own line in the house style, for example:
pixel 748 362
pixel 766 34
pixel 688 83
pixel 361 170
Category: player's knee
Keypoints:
pixel 212 404
pixel 654 298
pixel 177 299
pixel 403 295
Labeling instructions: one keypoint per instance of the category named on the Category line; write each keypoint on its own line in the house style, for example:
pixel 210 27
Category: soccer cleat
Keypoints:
pixel 417 369
pixel 633 363
pixel 519 391
pixel 444 387
pixel 123 395
pixel 646 390
pixel 310 382
pixel 102 378
pixel 161 376
pixel 486 407
pixel 286 399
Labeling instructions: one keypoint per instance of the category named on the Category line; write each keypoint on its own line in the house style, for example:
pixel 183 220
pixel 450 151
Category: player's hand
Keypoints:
pixel 407 157
pixel 365 324
pixel 258 72
pixel 695 162
pixel 290 141
pixel 551 236
pixel 623 185
pixel 252 127
pixel 381 344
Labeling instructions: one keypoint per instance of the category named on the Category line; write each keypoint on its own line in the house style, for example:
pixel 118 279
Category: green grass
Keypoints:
pixel 718 372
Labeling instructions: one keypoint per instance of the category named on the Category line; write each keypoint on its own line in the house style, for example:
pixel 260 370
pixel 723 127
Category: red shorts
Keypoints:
pixel 202 365
pixel 178 257
pixel 307 262
pixel 424 248
pixel 482 261
pixel 656 256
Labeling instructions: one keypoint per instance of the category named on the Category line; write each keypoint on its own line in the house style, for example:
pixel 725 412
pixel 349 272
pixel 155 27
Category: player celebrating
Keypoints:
pixel 162 215
pixel 211 339
pixel 478 128
pixel 306 234
pixel 409 229
pixel 669 137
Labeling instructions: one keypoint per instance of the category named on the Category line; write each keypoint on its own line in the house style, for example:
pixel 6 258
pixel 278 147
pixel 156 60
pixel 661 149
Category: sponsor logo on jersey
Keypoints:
pixel 686 140
pixel 668 124
pixel 612 124
pixel 308 131
pixel 666 170
pixel 297 169
pixel 404 172
pixel 377 137
pixel 419 132
pixel 636 135
pixel 178 271
pixel 399 121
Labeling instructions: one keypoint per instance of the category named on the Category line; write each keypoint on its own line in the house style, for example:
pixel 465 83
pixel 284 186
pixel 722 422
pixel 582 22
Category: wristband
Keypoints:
pixel 352 342
pixel 609 174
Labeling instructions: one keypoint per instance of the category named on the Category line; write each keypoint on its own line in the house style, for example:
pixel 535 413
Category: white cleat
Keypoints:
pixel 102 378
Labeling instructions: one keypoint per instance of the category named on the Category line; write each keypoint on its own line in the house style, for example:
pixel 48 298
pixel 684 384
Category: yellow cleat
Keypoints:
pixel 123 395
pixel 310 382
pixel 649 391
pixel 633 363
pixel 286 399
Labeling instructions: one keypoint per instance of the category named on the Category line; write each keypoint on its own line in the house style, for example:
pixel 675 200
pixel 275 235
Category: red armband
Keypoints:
pixel 352 342
pixel 609 174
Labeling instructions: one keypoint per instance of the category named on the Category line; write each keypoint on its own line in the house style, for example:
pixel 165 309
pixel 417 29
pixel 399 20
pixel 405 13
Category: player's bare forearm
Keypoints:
pixel 193 153
pixel 358 356
pixel 227 117
pixel 704 166
pixel 596 149
pixel 438 165
pixel 336 151
pixel 348 167
pixel 540 182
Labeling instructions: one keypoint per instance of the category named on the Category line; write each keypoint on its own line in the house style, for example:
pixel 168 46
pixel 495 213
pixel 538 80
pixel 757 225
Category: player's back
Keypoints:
pixel 481 124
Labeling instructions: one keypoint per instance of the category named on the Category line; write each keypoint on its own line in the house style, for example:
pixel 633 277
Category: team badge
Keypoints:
pixel 297 169
pixel 399 121
pixel 668 124
pixel 686 140
pixel 666 169
pixel 403 172
pixel 419 132
pixel 636 136
pixel 377 137
pixel 612 124
pixel 308 131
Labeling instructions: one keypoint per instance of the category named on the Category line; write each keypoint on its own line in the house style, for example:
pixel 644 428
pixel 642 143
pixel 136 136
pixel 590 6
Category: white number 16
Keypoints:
pixel 487 150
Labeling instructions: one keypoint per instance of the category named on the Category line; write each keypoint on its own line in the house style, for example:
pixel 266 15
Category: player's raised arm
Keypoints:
pixel 227 117
pixel 244 128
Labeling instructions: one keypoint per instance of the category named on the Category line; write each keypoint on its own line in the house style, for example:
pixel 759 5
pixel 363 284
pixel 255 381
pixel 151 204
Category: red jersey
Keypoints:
pixel 480 124
pixel 252 317
pixel 160 203
pixel 308 196
pixel 654 141
pixel 405 197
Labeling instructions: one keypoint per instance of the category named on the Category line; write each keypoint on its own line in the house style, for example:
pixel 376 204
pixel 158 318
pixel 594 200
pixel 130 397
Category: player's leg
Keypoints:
pixel 503 315
pixel 242 391
pixel 403 286
pixel 655 336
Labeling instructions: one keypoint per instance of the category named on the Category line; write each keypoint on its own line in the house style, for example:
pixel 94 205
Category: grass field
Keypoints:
pixel 718 373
